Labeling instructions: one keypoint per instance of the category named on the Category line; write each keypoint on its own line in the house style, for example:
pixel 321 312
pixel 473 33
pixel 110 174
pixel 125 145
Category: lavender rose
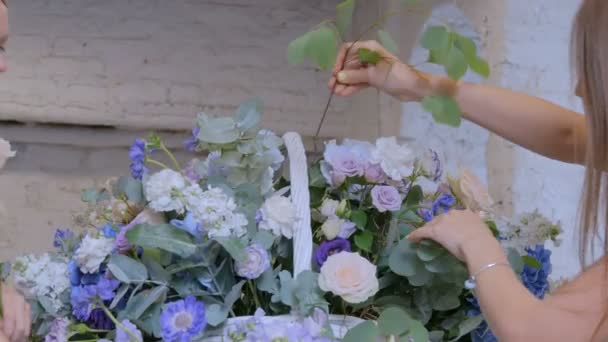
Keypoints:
pixel 328 248
pixel 386 198
pixel 374 173
pixel 256 262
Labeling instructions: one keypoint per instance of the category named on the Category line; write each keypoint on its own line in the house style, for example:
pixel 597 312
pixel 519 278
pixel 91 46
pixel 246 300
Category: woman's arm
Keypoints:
pixel 538 125
pixel 512 312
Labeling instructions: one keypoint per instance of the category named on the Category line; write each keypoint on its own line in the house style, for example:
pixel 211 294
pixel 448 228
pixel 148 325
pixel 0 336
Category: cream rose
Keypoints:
pixel 349 276
pixel 469 189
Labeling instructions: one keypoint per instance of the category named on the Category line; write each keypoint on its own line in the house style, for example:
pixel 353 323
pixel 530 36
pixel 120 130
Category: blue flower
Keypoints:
pixel 123 336
pixel 183 320
pixel 483 334
pixel 535 279
pixel 83 297
pixel 64 240
pixel 189 225
pixel 441 205
pixel 108 231
pixel 137 154
pixel 191 143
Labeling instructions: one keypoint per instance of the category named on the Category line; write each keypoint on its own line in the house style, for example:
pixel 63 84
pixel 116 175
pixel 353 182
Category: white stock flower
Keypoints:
pixel 329 207
pixel 40 276
pixel 278 216
pixel 397 161
pixel 529 230
pixel 92 252
pixel 349 276
pixel 216 211
pixel 164 190
pixel 5 152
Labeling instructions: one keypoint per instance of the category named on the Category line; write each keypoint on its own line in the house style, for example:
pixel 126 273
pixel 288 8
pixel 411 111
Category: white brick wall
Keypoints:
pixel 157 62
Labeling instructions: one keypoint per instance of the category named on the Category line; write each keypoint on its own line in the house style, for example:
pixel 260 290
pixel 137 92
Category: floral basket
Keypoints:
pixel 302 247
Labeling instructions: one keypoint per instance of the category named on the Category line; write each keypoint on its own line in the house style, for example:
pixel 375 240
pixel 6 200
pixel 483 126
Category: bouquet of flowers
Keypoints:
pixel 367 198
pixel 204 252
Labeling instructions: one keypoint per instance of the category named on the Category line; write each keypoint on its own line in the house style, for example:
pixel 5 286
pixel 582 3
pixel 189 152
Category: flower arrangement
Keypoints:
pixel 204 252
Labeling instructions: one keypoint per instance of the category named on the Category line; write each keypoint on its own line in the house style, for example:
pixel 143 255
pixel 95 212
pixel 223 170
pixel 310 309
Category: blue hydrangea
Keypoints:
pixel 182 320
pixel 137 154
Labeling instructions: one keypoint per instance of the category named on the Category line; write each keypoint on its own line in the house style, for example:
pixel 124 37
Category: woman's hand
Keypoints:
pixel 462 232
pixel 16 321
pixel 389 75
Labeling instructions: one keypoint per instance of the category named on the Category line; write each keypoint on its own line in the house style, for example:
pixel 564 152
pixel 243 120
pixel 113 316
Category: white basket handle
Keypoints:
pixel 298 172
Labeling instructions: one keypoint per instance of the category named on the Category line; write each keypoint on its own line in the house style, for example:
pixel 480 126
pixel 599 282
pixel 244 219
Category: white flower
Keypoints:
pixel 332 227
pixel 92 252
pixel 278 216
pixel 329 207
pixel 5 152
pixel 40 276
pixel 164 190
pixel 349 276
pixel 216 211
pixel 529 230
pixel 397 161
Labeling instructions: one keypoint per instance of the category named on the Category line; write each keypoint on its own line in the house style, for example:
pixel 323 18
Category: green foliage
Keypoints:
pixel 344 17
pixel 364 332
pixel 126 269
pixel 369 56
pixel 445 109
pixel 164 236
pixel 139 303
pixel 364 240
pixel 319 45
pixel 359 217
pixel 131 188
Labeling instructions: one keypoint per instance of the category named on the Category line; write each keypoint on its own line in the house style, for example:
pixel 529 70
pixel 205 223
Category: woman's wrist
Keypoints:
pixel 481 252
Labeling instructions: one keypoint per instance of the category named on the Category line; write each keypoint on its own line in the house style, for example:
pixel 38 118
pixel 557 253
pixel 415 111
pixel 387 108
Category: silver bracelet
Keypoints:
pixel 471 283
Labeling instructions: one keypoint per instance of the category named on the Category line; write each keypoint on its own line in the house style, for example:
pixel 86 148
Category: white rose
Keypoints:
pixel 92 252
pixel 332 227
pixel 5 152
pixel 349 276
pixel 472 192
pixel 278 216
pixel 329 207
pixel 397 161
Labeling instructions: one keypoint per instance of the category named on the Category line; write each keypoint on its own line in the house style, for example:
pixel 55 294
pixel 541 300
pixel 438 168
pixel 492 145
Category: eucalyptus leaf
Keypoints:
pixel 393 321
pixel 155 270
pixel 221 130
pixel 422 276
pixel 131 188
pixel 445 297
pixel 216 314
pixel 480 66
pixel 89 195
pixel 403 259
pixel 148 322
pixel 319 45
pixel 344 17
pixel 142 301
pixel 429 250
pixel 287 288
pixel 369 56
pixel 442 264
pixel 296 50
pixel 417 332
pixel 127 270
pixel 234 246
pixel 269 282
pixel 234 294
pixel 387 41
pixel 456 64
pixel 307 292
pixel 435 38
pixel 164 236
pixel 184 265
pixel 249 114
pixel 445 110
pixel 363 332
pixel 468 325
pixel 264 238
pixel 120 293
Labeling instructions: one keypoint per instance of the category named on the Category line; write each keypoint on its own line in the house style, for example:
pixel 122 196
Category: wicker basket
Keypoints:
pixel 302 242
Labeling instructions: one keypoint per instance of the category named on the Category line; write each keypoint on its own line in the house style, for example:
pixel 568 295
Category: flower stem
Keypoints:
pixel 157 163
pixel 254 293
pixel 117 323
pixel 173 159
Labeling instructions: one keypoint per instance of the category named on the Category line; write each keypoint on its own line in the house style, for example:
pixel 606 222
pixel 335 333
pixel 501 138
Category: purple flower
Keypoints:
pixel 182 320
pixel 83 298
pixel 98 319
pixel 191 171
pixel 328 248
pixel 65 241
pixel 374 173
pixel 191 143
pixel 386 198
pixel 537 279
pixel 348 228
pixel 58 331
pixel 123 336
pixel 137 154
pixel 256 262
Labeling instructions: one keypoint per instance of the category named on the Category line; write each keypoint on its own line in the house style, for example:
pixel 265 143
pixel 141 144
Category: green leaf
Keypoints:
pixel 164 236
pixel 235 247
pixel 465 45
pixel 444 109
pixel 363 332
pixel 264 238
pixel 308 294
pixel 126 269
pixel 364 240
pixel 268 282
pixel 315 177
pixel 492 226
pixel 417 332
pixel 296 50
pixel 393 321
pixel 359 218
pixel 369 56
pixel 287 285
pixel 344 17
pixel 465 327
pixel 184 265
pixel 142 301
pixel 216 314
pixel 249 114
pixel 131 188
pixel 322 47
pixel 515 259
pixel 89 195
pixel 445 297
pixel 480 66
pixel 149 320
pixel 234 294
pixel 414 196
pixel 122 290
pixel 429 250
pixel 156 271
pixel 442 264
pixel 531 261
pixel 456 64
pixel 435 38
pixel 387 41
pixel 422 276
pixel 221 130
pixel 403 259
